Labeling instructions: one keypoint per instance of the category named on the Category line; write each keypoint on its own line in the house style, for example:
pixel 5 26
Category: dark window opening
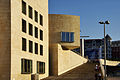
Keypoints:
pixel 24 44
pixel 30 46
pixel 23 7
pixel 36 16
pixel 41 49
pixel 41 35
pixel 30 29
pixel 41 20
pixel 30 12
pixel 36 32
pixel 23 25
pixel 36 48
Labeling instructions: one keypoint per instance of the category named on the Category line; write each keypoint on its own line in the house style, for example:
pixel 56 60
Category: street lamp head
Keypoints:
pixel 107 22
pixel 101 22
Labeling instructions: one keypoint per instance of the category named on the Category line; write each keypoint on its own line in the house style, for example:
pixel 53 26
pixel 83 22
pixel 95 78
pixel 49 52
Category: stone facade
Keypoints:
pixel 11 38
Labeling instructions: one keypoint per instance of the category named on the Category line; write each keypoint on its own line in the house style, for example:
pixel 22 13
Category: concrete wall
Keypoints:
pixel 11 38
pixel 5 40
pixel 64 23
pixel 41 6
pixel 64 60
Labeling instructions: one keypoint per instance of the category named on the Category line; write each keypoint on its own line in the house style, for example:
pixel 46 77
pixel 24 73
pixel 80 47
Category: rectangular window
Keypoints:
pixel 30 46
pixel 30 12
pixel 23 25
pixel 41 20
pixel 24 44
pixel 36 48
pixel 40 67
pixel 41 49
pixel 71 36
pixel 41 35
pixel 36 16
pixel 67 36
pixel 36 32
pixel 63 36
pixel 26 66
pixel 30 29
pixel 23 7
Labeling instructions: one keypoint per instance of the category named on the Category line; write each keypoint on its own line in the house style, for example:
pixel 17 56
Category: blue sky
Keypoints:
pixel 91 12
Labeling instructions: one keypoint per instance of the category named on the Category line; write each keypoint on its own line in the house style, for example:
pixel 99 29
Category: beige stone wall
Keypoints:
pixel 68 60
pixel 64 23
pixel 41 6
pixel 63 60
pixel 5 39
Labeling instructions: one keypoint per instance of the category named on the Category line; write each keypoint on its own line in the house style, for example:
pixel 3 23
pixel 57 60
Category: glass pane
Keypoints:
pixel 72 37
pixel 63 36
pixel 23 7
pixel 67 36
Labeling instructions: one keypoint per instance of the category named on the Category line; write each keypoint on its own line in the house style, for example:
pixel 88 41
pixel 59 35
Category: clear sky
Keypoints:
pixel 91 12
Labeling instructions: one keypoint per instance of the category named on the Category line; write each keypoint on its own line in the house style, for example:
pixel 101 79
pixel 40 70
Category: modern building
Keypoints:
pixel 64 35
pixel 23 39
pixel 99 43
pixel 115 50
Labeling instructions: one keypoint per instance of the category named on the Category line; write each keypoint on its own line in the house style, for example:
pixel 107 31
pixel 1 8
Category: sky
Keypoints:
pixel 91 12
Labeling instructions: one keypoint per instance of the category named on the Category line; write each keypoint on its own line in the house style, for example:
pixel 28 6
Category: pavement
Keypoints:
pixel 83 72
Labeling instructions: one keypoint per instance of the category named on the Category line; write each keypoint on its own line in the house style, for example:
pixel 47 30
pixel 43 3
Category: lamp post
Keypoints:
pixel 106 22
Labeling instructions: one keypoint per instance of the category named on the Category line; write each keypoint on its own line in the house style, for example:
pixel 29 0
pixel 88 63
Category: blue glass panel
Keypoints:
pixel 63 36
pixel 72 37
pixel 67 36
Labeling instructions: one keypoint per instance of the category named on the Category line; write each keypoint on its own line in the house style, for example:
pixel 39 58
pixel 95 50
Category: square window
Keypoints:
pixel 24 44
pixel 30 29
pixel 30 46
pixel 30 12
pixel 36 48
pixel 36 32
pixel 67 36
pixel 24 7
pixel 36 16
pixel 23 25
pixel 41 20
pixel 41 35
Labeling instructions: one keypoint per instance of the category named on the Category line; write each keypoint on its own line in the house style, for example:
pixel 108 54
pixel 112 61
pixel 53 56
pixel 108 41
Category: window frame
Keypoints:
pixel 41 20
pixel 30 10
pixel 36 15
pixel 36 32
pixel 24 26
pixel 30 29
pixel 24 7
pixel 24 44
pixel 40 70
pixel 67 37
pixel 26 66
pixel 36 48
pixel 41 50
pixel 30 47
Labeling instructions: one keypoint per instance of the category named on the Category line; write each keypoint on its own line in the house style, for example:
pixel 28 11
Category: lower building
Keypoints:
pixel 115 50
pixel 91 44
